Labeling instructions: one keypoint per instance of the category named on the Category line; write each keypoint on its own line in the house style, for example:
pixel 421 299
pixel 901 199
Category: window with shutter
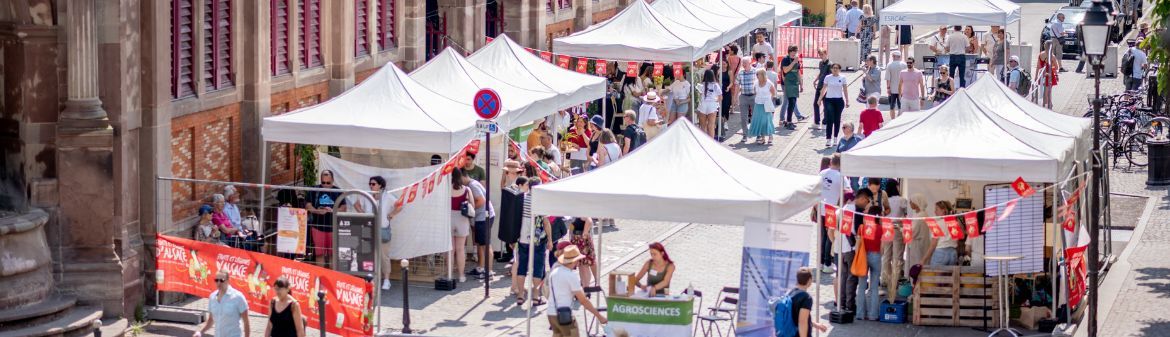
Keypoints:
pixel 182 45
pixel 361 43
pixel 310 33
pixel 217 44
pixel 280 28
pixel 385 33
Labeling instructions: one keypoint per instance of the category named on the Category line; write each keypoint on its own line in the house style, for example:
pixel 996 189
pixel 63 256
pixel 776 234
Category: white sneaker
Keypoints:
pixel 828 142
pixel 462 279
pixel 827 269
pixel 385 284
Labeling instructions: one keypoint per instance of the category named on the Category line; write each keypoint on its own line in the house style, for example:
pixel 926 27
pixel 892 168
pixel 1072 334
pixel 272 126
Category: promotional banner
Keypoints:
pixel 291 226
pixel 190 267
pixel 643 317
pixel 601 67
pixel 1078 273
pixel 772 254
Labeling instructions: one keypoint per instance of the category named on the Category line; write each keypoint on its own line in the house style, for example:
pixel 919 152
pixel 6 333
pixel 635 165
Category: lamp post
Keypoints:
pixel 405 296
pixel 1094 35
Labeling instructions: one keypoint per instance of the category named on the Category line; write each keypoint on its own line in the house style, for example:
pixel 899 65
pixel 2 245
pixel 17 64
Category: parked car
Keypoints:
pixel 1122 22
pixel 1073 16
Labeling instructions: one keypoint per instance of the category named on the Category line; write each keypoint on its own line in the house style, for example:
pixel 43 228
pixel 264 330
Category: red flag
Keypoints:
pixel 907 231
pixel 632 69
pixel 546 56
pixel 658 69
pixel 989 218
pixel 413 192
pixel 401 199
pixel 431 183
pixel 422 187
pixel 972 220
pixel 887 230
pixel 830 216
pixel 847 222
pixel 489 39
pixel 953 227
pixel 1007 209
pixel 869 231
pixel 583 65
pixel 563 61
pixel 1022 188
pixel 678 70
pixel 935 231
pixel 1077 273
pixel 448 167
pixel 600 67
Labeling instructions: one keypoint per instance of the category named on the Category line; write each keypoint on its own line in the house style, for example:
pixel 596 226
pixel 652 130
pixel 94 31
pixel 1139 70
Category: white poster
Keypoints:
pixel 772 254
pixel 290 230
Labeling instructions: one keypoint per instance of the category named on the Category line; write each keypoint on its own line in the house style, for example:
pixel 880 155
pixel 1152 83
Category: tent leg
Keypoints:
pixel 817 286
pixel 528 278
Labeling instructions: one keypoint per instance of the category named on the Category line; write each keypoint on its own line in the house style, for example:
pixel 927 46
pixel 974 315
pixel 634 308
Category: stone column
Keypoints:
pixel 255 76
pixel 526 22
pixel 154 148
pixel 465 23
pixel 338 23
pixel 83 105
pixel 583 14
pixel 412 36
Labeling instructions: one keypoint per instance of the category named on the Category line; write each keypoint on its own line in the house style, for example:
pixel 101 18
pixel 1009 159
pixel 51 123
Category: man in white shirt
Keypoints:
pixel 957 43
pixel 1133 80
pixel 1058 33
pixel 938 45
pixel 853 19
pixel 839 18
pixel 843 245
pixel 561 122
pixel 762 46
pixel 832 183
pixel 228 310
pixel 893 82
pixel 564 286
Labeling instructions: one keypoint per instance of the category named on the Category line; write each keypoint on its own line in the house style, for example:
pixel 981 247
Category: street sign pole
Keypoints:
pixel 487 105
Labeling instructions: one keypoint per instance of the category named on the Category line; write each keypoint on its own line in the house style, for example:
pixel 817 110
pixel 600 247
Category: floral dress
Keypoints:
pixel 866 34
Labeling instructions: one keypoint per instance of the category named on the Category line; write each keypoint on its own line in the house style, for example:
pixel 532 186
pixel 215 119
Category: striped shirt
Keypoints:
pixel 746 80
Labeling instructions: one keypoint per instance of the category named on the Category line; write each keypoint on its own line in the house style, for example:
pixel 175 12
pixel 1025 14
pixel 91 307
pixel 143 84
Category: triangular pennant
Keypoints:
pixel 1022 188
pixel 830 216
pixel 583 65
pixel 563 61
pixel 431 183
pixel 677 68
pixel 658 66
pixel 869 231
pixel 413 193
pixel 935 231
pixel 907 231
pixel 401 199
pixel 972 220
pixel 423 187
pixel 489 39
pixel 632 69
pixel 1007 209
pixel 600 67
pixel 953 227
pixel 847 222
pixel 449 166
pixel 887 230
pixel 546 56
pixel 989 218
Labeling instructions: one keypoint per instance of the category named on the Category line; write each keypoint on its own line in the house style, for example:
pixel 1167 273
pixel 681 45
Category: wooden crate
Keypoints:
pixel 955 296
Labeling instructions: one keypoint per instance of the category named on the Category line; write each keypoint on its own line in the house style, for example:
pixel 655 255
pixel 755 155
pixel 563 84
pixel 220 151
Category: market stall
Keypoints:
pixel 507 61
pixel 682 176
pixel 967 12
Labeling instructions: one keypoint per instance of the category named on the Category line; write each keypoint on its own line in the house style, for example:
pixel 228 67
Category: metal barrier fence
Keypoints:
pixel 807 39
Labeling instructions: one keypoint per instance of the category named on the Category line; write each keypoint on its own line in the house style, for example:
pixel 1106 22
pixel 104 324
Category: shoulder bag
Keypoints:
pixel 466 208
pixel 564 314
pixel 859 267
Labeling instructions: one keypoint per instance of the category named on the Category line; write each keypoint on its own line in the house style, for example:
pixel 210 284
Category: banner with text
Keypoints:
pixel 772 254
pixel 644 317
pixel 189 267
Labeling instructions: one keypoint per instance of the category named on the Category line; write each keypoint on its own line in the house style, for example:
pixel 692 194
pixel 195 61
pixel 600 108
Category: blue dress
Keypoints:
pixel 762 124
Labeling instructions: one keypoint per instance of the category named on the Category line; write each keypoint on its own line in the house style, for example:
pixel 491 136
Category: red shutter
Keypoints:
pixel 217 44
pixel 385 33
pixel 361 43
pixel 182 57
pixel 310 32
pixel 280 22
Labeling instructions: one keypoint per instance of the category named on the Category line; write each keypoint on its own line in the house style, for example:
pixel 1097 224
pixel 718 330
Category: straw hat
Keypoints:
pixel 650 97
pixel 570 254
pixel 512 166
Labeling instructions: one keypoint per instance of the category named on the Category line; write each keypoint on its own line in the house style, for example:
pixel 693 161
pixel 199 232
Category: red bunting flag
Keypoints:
pixel 935 231
pixel 869 231
pixel 1078 273
pixel 401 200
pixel 489 39
pixel 972 220
pixel 678 70
pixel 1022 188
pixel 431 183
pixel 546 56
pixel 847 222
pixel 658 66
pixel 413 193
pixel 953 227
pixel 583 65
pixel 1068 211
pixel 448 167
pixel 830 216
pixel 1007 209
pixel 600 67
pixel 989 218
pixel 563 61
pixel 632 69
pixel 887 230
pixel 907 231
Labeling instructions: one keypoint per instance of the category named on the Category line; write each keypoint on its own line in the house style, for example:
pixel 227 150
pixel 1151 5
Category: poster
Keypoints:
pixel 650 318
pixel 772 254
pixel 291 226
pixel 190 267
pixel 1078 273
pixel 354 238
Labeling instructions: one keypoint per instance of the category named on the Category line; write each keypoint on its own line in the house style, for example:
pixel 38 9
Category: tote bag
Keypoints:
pixel 860 268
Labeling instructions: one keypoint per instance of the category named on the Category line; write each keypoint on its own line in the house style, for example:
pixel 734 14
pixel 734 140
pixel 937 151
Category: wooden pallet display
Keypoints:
pixel 955 296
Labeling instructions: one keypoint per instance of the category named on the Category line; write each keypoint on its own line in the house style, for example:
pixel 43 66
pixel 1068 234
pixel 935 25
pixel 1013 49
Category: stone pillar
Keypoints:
pixel 526 22
pixel 154 148
pixel 338 23
pixel 83 108
pixel 255 76
pixel 412 36
pixel 465 23
pixel 582 15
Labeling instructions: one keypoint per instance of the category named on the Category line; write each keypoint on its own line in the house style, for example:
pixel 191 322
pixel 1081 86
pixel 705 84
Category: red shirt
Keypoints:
pixel 581 139
pixel 871 120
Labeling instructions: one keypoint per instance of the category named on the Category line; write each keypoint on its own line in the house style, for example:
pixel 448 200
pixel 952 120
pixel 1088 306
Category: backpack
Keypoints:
pixel 1025 81
pixel 639 139
pixel 782 315
pixel 559 227
pixel 1127 64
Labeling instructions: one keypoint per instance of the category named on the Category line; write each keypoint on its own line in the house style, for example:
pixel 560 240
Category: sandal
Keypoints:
pixel 519 301
pixel 538 302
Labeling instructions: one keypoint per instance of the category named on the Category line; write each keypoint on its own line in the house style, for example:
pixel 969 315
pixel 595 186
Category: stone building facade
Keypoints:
pixel 102 96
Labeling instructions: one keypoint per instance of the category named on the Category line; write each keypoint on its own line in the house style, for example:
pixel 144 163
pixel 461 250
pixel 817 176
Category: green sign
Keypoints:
pixel 649 311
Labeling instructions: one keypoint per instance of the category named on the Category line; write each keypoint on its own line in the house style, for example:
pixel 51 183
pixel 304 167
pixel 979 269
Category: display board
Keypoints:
pixel 353 237
pixel 772 254
pixel 1020 234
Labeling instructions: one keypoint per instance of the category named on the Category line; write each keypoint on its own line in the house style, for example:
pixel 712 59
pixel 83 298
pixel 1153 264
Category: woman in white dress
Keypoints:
pixel 711 93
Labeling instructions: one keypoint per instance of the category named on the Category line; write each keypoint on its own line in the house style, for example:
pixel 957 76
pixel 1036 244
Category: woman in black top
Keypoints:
pixel 284 313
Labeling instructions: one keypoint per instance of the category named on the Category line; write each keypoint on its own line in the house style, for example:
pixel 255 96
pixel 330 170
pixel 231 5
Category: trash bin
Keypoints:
pixel 1159 168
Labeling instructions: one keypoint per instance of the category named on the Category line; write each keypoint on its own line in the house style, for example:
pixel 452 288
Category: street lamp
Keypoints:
pixel 1094 35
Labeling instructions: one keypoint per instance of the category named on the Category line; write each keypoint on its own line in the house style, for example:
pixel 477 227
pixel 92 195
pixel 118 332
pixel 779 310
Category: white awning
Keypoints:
pixel 786 11
pixel 950 12
pixel 509 62
pixel 998 98
pixel 685 176
pixel 640 32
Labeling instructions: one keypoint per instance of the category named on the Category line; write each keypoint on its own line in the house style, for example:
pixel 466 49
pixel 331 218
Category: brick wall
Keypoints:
pixel 204 145
pixel 604 15
pixel 363 75
pixel 558 29
pixel 284 167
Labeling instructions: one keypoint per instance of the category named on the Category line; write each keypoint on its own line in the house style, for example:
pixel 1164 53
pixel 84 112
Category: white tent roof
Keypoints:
pixel 389 110
pixel 956 12
pixel 786 11
pixel 997 97
pixel 452 76
pixel 683 175
pixel 511 63
pixel 639 32
pixel 691 14
pixel 959 140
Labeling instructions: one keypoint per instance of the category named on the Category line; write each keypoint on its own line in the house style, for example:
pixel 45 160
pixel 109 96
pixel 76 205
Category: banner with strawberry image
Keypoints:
pixel 601 67
pixel 830 216
pixel 935 231
pixel 847 222
pixel 869 228
pixel 972 221
pixel 887 230
pixel 1078 273
pixel 907 231
pixel 953 227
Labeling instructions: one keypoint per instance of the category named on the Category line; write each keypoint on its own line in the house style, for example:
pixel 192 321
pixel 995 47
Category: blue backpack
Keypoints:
pixel 782 315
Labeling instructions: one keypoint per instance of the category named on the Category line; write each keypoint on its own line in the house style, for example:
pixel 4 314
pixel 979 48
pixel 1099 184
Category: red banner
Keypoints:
pixel 830 216
pixel 546 56
pixel 1007 209
pixel 869 230
pixel 658 69
pixel 563 61
pixel 907 231
pixel 1022 188
pixel 953 227
pixel 847 222
pixel 1078 272
pixel 600 67
pixel 632 69
pixel 677 68
pixel 887 229
pixel 972 220
pixel 583 65
pixel 190 267
pixel 989 218
pixel 935 231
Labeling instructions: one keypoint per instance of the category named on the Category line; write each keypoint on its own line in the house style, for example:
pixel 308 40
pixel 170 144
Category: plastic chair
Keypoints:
pixel 593 329
pixel 712 321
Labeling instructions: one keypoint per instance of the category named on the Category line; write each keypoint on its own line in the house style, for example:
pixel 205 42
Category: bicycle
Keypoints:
pixel 1121 137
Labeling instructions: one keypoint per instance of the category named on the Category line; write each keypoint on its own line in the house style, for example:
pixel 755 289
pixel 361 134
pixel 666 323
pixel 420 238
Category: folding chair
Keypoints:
pixel 732 292
pixel 592 329
pixel 698 308
pixel 712 321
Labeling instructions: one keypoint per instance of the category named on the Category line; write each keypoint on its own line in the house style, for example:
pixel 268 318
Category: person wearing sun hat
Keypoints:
pixel 565 286
pixel 649 109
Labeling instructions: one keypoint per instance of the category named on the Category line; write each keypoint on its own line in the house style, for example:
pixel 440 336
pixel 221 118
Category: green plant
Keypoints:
pixel 138 328
pixel 308 155
pixel 1158 44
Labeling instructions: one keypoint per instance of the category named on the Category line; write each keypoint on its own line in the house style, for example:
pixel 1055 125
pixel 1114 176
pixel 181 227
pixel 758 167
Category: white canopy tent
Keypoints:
pixel 388 111
pixel 960 140
pixel 956 12
pixel 684 176
pixel 998 98
pixel 451 75
pixel 640 32
pixel 507 61
pixel 786 11
pixel 733 25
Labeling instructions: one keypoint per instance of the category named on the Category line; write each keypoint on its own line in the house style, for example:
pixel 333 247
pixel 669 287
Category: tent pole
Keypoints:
pixel 691 91
pixel 528 278
pixel 841 277
pixel 264 174
pixel 820 209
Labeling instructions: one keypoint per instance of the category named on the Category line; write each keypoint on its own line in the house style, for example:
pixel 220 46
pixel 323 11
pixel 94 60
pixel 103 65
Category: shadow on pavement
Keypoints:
pixel 1157 279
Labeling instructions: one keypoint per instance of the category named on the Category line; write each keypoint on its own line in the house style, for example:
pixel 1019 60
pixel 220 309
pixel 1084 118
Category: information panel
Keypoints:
pixel 354 240
pixel 1020 234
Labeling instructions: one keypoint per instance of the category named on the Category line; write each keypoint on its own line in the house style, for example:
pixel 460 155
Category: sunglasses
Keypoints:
pixel 373 184
pixel 220 280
